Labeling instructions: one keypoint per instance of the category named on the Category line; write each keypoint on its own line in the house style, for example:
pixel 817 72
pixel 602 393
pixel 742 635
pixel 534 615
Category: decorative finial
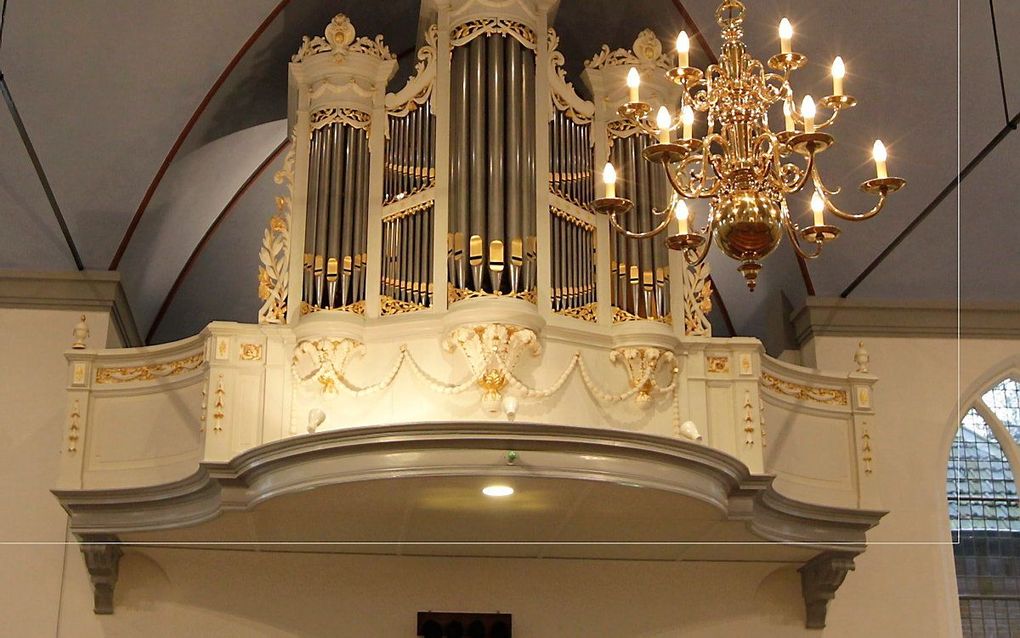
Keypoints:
pixel 690 431
pixel 861 357
pixel 315 419
pixel 80 334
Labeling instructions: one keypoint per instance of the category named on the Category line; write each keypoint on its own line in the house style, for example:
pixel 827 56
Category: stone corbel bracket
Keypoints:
pixel 102 559
pixel 820 577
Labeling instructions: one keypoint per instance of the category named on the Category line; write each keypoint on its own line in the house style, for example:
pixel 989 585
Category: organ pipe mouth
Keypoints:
pixel 458 245
pixel 347 265
pixel 496 255
pixel 477 246
pixel 331 269
pixel 516 252
pixel 318 264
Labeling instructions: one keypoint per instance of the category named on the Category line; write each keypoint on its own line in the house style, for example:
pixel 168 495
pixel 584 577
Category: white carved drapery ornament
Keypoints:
pixel 340 40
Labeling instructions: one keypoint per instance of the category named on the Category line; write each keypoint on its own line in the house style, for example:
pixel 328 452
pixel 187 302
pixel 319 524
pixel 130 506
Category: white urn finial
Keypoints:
pixel 690 431
pixel 80 334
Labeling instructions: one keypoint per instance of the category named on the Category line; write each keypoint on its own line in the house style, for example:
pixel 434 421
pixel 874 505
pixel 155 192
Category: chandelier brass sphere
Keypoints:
pixel 740 165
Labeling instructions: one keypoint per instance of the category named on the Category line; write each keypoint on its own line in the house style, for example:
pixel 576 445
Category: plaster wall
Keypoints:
pixel 905 582
pixel 33 422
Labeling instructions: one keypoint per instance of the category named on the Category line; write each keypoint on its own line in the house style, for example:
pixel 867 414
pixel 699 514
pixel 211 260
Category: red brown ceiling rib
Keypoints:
pixel 187 130
pixel 208 236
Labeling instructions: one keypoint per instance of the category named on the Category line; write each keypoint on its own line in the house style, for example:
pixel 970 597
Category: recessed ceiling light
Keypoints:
pixel 497 490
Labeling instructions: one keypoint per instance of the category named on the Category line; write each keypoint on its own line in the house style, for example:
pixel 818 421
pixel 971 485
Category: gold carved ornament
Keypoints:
pixel 826 396
pixel 340 40
pixel 150 371
pixel 468 31
pixel 274 254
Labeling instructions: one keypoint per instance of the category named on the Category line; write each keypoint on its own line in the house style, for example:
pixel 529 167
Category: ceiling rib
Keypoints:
pixel 227 209
pixel 187 130
pixel 1011 126
pixel 998 58
pixel 39 171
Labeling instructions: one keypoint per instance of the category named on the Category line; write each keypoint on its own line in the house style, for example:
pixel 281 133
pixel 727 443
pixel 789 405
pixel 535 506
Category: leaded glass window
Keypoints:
pixel 985 515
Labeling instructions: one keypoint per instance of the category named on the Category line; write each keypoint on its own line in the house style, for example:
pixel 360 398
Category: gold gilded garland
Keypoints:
pixel 826 396
pixel 620 316
pixel 454 295
pixel 587 312
pixel 150 371
pixel 391 306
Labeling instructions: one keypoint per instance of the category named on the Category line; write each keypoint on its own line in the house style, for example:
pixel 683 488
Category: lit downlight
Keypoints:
pixel 497 490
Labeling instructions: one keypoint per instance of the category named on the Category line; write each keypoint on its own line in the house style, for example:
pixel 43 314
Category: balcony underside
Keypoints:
pixel 416 490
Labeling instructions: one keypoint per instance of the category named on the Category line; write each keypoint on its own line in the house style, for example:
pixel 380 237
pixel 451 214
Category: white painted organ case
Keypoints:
pixel 433 260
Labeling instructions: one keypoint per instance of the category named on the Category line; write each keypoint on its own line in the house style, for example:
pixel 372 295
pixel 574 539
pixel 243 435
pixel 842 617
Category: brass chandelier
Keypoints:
pixel 740 164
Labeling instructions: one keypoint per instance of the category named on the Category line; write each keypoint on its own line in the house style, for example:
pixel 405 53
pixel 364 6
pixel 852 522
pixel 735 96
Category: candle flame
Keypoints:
pixel 807 107
pixel 680 210
pixel 817 205
pixel 609 174
pixel 683 43
pixel 785 29
pixel 838 68
pixel 687 115
pixel 633 78
pixel 879 152
pixel 663 120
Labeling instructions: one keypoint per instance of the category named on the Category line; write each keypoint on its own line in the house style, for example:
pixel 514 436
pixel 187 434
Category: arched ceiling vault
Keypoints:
pixel 132 107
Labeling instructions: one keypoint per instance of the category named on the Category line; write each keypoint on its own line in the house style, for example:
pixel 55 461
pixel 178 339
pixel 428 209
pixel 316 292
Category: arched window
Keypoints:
pixel 984 513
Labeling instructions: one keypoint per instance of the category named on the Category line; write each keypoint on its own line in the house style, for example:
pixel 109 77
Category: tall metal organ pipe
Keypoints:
pixel 640 280
pixel 492 175
pixel 336 221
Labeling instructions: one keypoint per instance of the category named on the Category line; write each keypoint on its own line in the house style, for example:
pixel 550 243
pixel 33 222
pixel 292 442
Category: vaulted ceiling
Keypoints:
pixel 106 88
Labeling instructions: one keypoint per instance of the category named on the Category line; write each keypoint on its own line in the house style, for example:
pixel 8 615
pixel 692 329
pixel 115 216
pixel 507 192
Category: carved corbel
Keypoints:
pixel 820 577
pixel 102 559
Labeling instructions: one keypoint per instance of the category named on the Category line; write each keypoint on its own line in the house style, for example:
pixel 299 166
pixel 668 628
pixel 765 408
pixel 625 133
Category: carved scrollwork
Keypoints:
pixel 419 87
pixel 468 31
pixel 563 95
pixel 827 396
pixel 150 371
pixel 698 301
pixel 324 360
pixel 274 255
pixel 492 352
pixel 349 117
pixel 642 364
pixel 646 51
pixel 820 577
pixel 340 39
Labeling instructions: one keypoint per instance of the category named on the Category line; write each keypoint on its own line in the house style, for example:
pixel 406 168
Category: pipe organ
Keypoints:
pixel 476 176
pixel 492 236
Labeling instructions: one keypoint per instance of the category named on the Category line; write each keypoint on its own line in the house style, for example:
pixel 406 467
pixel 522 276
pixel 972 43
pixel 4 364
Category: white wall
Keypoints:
pixel 33 429
pixel 908 587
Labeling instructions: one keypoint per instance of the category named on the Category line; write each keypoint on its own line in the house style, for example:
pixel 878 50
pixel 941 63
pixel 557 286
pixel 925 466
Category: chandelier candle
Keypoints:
pixel 785 36
pixel 739 164
pixel 880 157
pixel 664 121
pixel 808 112
pixel 838 73
pixel 634 84
pixel 683 49
pixel 609 179
pixel 687 116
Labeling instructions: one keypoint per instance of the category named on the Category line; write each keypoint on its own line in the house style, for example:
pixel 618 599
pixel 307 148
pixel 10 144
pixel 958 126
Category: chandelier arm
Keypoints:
pixel 808 171
pixel 835 210
pixel 651 233
pixel 791 232
pixel 797 117
pixel 700 254
pixel 675 182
